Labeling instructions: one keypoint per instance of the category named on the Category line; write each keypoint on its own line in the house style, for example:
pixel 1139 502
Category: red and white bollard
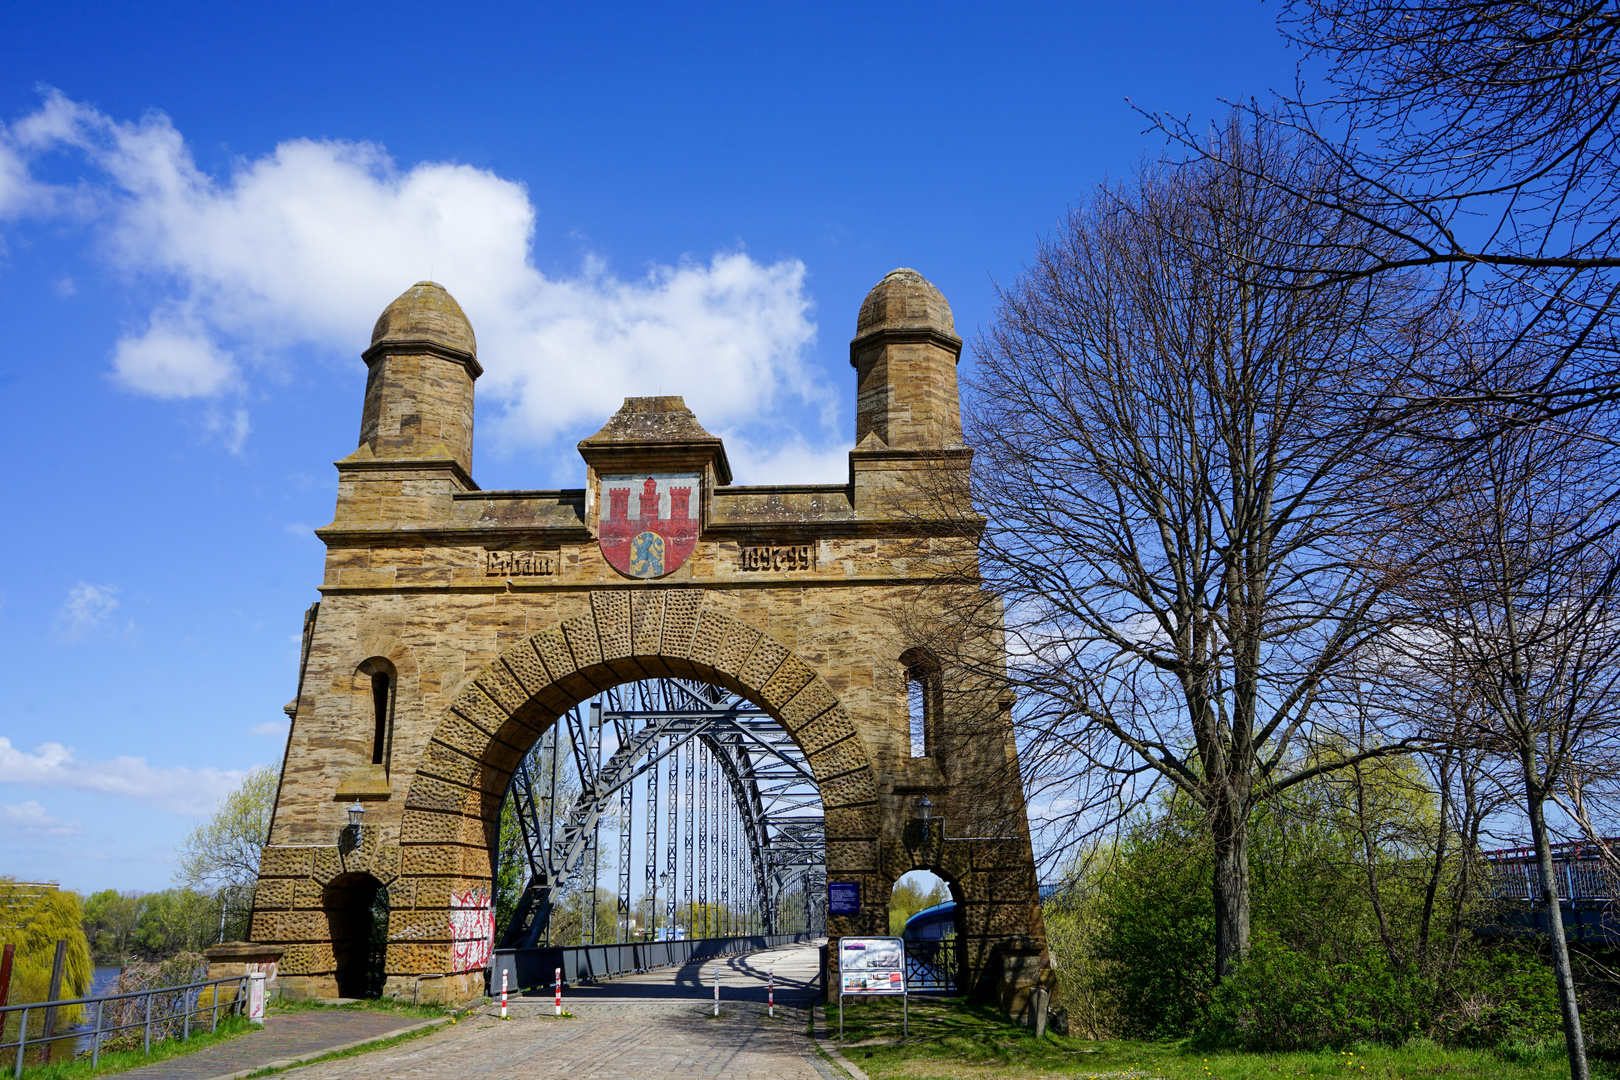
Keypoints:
pixel 503 995
pixel 770 989
pixel 557 1004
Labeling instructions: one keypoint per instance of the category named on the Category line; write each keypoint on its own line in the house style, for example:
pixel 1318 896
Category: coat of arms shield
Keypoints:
pixel 648 523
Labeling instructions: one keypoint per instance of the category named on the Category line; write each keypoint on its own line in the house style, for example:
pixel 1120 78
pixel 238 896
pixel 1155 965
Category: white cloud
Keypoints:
pixel 32 819
pixel 174 357
pixel 306 245
pixel 88 606
pixel 191 792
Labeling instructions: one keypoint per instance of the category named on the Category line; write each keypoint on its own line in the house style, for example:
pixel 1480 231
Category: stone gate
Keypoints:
pixel 457 624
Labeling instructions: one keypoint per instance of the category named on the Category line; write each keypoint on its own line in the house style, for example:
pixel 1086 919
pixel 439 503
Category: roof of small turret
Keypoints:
pixel 904 300
pixel 426 312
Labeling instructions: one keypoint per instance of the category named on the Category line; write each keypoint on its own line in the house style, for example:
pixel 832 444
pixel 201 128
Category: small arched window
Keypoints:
pixel 384 683
pixel 381 687
pixel 924 694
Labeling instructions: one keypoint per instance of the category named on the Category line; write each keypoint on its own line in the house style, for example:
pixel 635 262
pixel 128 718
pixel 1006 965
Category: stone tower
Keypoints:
pixel 419 384
pixel 904 355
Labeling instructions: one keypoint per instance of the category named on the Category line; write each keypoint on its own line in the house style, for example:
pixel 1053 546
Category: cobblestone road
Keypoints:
pixel 646 1027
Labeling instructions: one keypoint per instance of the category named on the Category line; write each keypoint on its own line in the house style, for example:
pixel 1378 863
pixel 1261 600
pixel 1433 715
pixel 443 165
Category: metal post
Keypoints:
pixel 185 1025
pixel 503 995
pixel 651 888
pixel 596 825
pixel 147 1047
pixel 671 867
pixel 22 1041
pixel 717 989
pixel 551 816
pixel 557 1002
pixel 770 990
pixel 95 1047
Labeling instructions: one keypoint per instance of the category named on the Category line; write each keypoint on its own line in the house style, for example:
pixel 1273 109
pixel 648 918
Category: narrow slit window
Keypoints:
pixel 379 707
pixel 917 706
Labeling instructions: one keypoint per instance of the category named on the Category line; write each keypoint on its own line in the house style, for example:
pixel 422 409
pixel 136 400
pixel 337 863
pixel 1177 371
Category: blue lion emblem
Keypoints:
pixel 647 555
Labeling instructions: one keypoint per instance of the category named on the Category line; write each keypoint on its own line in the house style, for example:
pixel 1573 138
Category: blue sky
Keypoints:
pixel 203 208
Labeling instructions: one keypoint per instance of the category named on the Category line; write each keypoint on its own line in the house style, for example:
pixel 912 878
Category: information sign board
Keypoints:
pixel 871 965
pixel 843 898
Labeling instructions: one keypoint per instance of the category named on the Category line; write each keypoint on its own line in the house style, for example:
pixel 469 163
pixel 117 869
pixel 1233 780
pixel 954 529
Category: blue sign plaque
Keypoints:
pixel 843 898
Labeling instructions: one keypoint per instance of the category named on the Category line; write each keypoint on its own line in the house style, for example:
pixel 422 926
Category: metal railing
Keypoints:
pixel 1578 873
pixel 531 969
pixel 184 1002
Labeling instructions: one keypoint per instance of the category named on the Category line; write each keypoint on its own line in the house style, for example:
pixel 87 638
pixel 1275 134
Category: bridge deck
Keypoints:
pixel 651 1026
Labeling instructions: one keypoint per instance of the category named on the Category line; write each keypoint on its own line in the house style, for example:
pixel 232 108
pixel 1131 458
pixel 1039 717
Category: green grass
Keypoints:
pixel 956 1040
pixel 116 1061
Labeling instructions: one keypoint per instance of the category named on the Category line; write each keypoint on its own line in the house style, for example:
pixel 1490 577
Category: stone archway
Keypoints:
pixel 492 612
pixel 457 791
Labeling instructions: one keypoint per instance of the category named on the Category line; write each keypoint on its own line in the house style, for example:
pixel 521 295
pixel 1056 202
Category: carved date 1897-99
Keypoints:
pixel 797 557
pixel 519 563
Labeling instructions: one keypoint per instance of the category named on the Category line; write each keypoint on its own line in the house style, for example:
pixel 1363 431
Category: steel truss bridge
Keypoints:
pixel 725 806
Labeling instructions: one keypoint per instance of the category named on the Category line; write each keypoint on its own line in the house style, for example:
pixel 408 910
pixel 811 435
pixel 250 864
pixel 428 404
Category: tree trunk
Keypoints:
pixel 1565 976
pixel 1231 889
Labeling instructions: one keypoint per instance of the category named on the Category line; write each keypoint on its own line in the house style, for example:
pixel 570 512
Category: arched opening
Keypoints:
pixel 925 911
pixel 356 909
pixel 661 809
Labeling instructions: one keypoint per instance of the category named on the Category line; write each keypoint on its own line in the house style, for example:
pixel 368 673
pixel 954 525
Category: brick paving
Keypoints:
pixel 284 1035
pixel 645 1027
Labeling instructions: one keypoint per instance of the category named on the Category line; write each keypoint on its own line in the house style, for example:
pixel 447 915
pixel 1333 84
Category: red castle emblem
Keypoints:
pixel 661 533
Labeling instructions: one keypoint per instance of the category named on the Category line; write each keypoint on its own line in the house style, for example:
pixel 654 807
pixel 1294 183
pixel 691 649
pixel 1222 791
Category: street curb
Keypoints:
pixel 304 1059
pixel 831 1051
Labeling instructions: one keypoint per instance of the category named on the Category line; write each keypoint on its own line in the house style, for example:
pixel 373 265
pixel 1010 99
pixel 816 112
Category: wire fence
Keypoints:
pixel 122 1021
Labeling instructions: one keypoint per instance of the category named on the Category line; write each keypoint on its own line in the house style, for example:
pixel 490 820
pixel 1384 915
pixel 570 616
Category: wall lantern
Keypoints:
pixel 351 832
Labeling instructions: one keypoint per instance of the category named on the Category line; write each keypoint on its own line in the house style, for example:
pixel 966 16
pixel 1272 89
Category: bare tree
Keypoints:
pixel 1475 138
pixel 1515 617
pixel 1178 486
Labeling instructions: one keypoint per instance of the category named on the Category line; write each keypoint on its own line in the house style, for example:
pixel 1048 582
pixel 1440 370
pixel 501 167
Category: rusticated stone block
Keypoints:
pixel 402 893
pixel 739 642
pixel 475 705
pixel 385 867
pixel 810 702
pixel 680 621
pixel 503 686
pixel 830 728
pixel 708 638
pixel 580 633
pixel 458 734
pixel 612 610
pixel 552 648
pixel 295 959
pixel 424 827
pixel 280 861
pixel 327 864
pixel 526 667
pixel 431 793
pixel 449 765
pixel 274 893
pixel 306 893
pixel 647 623
pixel 791 676
pixel 762 663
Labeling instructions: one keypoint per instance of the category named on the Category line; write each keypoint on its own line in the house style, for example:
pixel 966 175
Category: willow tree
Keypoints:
pixel 1179 482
